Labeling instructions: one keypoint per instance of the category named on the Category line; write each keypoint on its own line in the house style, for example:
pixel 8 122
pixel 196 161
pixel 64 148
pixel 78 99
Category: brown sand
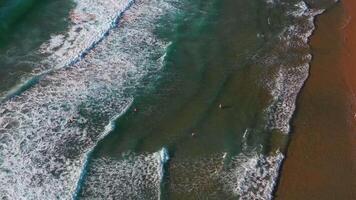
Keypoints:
pixel 348 61
pixel 320 163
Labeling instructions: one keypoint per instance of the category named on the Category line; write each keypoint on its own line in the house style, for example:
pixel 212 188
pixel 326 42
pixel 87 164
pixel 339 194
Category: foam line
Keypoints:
pixel 245 176
pixel 288 79
pixel 65 51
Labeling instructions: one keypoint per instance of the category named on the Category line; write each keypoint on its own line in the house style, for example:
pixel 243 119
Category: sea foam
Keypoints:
pixel 90 22
pixel 132 176
pixel 47 131
pixel 249 175
pixel 289 63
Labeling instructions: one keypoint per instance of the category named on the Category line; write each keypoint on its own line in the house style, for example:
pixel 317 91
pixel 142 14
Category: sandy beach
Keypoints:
pixel 320 163
pixel 348 61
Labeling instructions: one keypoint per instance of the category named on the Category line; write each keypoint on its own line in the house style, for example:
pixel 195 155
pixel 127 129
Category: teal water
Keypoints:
pixel 178 100
pixel 209 62
pixel 201 64
pixel 24 26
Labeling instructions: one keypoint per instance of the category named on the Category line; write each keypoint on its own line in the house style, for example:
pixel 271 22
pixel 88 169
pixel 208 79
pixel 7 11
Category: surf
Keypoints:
pixel 131 175
pixel 66 49
pixel 113 52
pixel 83 171
pixel 55 123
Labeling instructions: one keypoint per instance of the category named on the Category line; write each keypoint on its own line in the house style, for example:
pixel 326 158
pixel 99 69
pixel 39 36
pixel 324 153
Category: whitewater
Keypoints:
pixel 88 80
pixel 47 131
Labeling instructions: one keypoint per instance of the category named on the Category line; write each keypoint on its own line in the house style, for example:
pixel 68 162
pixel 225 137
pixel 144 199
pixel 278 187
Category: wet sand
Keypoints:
pixel 320 162
pixel 348 61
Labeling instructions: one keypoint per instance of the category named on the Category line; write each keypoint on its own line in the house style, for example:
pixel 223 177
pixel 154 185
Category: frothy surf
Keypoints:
pixel 132 176
pixel 289 62
pixel 91 22
pixel 47 131
pixel 245 176
pixel 255 178
pixel 109 128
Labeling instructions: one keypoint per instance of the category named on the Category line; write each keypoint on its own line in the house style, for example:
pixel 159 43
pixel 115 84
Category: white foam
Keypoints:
pixel 254 177
pixel 245 176
pixel 47 131
pixel 288 83
pixel 90 22
pixel 297 32
pixel 109 128
pixel 289 78
pixel 301 9
pixel 133 176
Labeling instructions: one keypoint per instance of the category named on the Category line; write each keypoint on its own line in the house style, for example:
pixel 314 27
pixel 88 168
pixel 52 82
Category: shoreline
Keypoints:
pixel 320 150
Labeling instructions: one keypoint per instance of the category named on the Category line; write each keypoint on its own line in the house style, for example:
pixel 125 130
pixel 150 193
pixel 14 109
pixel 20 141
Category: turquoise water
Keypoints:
pixel 166 99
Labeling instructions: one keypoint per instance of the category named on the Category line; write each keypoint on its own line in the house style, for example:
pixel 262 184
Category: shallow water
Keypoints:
pixel 159 99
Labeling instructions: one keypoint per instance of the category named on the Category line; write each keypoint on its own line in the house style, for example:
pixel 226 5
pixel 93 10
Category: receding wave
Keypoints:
pixel 289 63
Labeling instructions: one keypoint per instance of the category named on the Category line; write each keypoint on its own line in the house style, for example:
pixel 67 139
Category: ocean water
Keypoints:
pixel 24 26
pixel 149 99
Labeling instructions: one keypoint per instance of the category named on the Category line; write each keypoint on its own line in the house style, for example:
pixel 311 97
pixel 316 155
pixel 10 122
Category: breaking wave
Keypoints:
pixel 47 131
